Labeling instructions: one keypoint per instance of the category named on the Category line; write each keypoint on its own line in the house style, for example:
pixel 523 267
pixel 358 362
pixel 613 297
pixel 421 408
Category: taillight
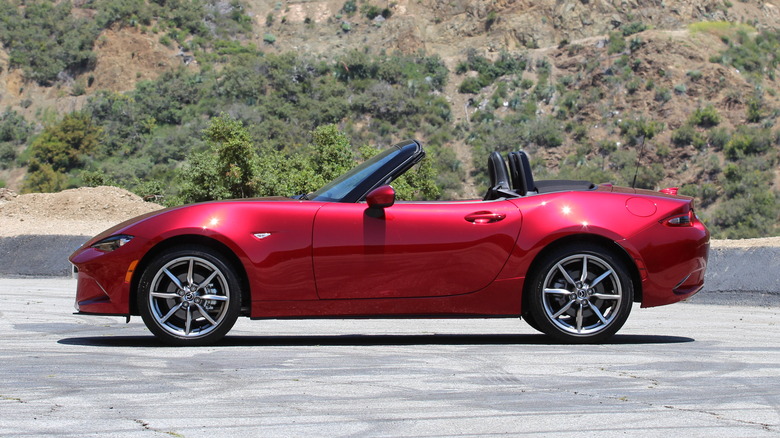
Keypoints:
pixel 684 220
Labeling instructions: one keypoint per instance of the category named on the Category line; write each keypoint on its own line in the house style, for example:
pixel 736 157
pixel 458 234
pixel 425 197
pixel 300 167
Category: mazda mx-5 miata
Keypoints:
pixel 569 257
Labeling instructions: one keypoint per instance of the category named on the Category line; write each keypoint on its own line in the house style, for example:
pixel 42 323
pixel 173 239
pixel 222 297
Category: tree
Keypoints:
pixel 236 156
pixel 227 170
pixel 332 152
pixel 59 149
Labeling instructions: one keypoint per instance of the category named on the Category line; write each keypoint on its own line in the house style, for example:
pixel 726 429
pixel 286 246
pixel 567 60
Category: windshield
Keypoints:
pixel 383 168
pixel 340 187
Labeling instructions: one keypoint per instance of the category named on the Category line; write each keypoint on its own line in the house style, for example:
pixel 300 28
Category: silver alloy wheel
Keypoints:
pixel 189 297
pixel 582 294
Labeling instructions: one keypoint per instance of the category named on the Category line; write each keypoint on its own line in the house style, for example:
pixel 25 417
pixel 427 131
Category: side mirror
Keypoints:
pixel 381 197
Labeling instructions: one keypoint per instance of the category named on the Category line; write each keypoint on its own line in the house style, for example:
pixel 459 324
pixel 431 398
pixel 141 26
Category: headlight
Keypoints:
pixel 111 243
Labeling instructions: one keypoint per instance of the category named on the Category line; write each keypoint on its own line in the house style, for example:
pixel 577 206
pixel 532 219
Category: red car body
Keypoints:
pixel 300 258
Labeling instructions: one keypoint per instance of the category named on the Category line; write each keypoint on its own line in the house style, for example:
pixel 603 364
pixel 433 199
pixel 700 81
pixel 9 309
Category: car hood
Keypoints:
pixel 138 219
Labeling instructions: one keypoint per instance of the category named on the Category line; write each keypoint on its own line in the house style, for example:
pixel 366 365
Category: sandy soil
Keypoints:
pixel 84 211
pixel 87 211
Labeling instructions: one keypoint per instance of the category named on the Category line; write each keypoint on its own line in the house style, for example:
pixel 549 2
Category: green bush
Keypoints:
pixel 695 75
pixel 7 155
pixel 748 141
pixel 545 132
pixel 350 7
pixel 754 113
pixel 616 43
pixel 687 135
pixel 470 86
pixel 95 178
pixel 753 55
pixel 662 95
pixel 632 28
pixel 718 138
pixel 632 129
pixel 65 146
pixel 706 117
pixel 506 64
pixel 45 39
pixel 705 193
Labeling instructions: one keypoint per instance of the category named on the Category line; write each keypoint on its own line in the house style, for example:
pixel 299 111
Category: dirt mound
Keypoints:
pixel 82 211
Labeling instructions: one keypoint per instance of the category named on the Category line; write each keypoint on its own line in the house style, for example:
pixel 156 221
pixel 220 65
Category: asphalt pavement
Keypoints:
pixel 689 369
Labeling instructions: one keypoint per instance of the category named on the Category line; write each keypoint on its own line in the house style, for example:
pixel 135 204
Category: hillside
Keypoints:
pixel 687 89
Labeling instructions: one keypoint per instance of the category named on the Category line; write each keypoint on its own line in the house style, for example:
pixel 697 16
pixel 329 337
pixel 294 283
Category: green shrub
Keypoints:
pixel 662 95
pixel 46 39
pixel 718 138
pixel 706 117
pixel 753 55
pixel 350 7
pixel 633 86
pixel 506 64
pixel 370 11
pixel 7 155
pixel 705 193
pixel 491 19
pixel 695 75
pixel 545 132
pixel 269 38
pixel 754 113
pixel 633 129
pixel 687 135
pixel 95 178
pixel 616 43
pixel 748 141
pixel 632 28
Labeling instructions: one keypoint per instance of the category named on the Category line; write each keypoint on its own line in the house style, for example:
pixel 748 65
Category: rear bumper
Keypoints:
pixel 672 262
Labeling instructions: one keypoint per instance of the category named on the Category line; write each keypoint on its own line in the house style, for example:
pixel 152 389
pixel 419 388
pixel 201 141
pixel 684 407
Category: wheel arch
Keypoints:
pixel 587 238
pixel 191 239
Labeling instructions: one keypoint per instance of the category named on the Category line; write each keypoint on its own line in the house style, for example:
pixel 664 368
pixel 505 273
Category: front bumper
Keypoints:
pixel 104 280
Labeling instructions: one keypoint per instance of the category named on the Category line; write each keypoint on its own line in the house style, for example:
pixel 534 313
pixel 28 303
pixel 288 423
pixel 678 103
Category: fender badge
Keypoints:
pixel 262 235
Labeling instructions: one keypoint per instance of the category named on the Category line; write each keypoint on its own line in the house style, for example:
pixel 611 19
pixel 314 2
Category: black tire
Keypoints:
pixel 573 308
pixel 529 319
pixel 189 295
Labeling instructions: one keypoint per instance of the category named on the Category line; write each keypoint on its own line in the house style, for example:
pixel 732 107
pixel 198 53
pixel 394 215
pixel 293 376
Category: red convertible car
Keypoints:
pixel 569 257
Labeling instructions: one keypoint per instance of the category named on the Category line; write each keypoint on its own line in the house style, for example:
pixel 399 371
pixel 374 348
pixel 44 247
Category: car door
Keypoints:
pixel 412 249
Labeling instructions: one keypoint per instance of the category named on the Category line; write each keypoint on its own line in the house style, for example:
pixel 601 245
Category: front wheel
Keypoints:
pixel 189 296
pixel 581 294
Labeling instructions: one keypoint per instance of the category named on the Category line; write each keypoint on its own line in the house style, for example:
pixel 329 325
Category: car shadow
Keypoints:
pixel 369 340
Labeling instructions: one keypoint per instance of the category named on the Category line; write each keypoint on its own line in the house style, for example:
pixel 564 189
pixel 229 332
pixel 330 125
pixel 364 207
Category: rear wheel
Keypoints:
pixel 581 294
pixel 529 319
pixel 189 296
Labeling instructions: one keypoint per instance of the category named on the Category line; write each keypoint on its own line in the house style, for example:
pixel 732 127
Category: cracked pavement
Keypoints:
pixel 689 368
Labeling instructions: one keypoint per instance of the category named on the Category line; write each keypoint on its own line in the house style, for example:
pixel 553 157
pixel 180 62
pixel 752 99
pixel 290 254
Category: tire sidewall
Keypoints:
pixel 159 261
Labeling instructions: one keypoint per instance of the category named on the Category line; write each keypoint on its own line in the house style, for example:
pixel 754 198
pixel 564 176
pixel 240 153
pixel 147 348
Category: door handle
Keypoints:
pixel 484 217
